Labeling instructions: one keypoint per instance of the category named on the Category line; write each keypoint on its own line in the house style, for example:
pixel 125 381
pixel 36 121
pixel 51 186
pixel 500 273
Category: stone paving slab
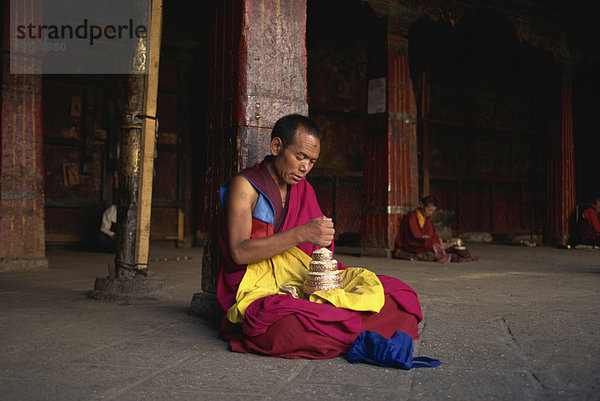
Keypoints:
pixel 520 323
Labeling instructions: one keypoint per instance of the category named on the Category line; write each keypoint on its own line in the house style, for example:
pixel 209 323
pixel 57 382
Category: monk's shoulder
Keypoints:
pixel 412 214
pixel 242 191
pixel 588 213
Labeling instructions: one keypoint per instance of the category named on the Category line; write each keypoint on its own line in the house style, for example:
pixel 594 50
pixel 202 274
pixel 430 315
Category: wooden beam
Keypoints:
pixel 180 225
pixel 142 244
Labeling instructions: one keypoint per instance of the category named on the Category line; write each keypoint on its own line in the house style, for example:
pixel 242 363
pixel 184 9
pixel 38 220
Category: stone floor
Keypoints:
pixel 520 323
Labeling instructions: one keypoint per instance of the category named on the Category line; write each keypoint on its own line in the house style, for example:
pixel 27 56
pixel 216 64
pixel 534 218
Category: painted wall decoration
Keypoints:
pixel 342 144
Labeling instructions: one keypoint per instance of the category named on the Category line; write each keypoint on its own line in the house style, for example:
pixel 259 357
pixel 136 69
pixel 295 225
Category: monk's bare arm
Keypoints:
pixel 241 199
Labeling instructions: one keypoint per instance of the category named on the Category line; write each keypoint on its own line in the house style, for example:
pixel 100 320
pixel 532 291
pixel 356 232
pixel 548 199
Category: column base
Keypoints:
pixel 205 304
pixel 23 264
pixel 138 289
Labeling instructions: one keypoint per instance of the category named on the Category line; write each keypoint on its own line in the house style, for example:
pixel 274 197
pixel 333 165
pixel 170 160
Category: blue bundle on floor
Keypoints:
pixel 397 352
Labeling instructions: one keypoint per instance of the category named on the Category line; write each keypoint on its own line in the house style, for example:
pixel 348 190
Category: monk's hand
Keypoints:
pixel 319 231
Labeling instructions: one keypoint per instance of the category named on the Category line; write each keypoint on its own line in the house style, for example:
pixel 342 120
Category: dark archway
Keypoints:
pixel 483 113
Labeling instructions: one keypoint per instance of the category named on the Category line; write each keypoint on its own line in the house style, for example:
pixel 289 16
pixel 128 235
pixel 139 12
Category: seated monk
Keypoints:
pixel 272 225
pixel 417 239
pixel 588 227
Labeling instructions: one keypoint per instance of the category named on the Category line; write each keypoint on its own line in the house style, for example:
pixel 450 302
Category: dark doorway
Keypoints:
pixel 482 99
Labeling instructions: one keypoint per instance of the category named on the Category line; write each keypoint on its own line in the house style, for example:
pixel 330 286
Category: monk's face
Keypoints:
pixel 293 162
pixel 428 210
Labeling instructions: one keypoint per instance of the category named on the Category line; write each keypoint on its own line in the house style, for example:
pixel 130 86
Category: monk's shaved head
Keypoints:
pixel 286 127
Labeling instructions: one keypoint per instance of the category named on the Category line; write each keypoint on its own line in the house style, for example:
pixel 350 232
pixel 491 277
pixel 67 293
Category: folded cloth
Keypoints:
pixel 397 352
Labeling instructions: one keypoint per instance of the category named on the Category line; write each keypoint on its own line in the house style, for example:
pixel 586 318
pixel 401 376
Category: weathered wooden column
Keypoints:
pixel 561 162
pixel 21 146
pixel 391 166
pixel 138 143
pixel 258 74
pixel 136 169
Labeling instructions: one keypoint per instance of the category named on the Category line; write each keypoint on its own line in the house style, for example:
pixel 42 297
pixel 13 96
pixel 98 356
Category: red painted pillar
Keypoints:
pixel 561 165
pixel 21 146
pixel 272 72
pixel 391 166
pixel 257 75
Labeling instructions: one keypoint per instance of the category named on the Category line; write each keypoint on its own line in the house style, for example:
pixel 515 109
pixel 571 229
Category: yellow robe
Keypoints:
pixel 362 290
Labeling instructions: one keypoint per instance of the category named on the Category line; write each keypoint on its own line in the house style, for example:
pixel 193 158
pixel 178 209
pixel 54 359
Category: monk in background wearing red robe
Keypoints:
pixel 588 227
pixel 417 239
pixel 271 214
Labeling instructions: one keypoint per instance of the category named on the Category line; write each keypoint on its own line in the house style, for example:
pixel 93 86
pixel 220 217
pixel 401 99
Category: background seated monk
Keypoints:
pixel 587 231
pixel 417 239
pixel 272 225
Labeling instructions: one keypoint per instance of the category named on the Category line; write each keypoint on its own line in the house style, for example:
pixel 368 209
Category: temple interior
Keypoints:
pixel 487 85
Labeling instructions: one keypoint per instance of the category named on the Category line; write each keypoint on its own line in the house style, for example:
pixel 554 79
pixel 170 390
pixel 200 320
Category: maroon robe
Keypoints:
pixel 411 237
pixel 588 228
pixel 280 325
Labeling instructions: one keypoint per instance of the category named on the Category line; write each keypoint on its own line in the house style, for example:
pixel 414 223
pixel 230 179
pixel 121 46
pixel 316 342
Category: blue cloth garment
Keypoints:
pixel 397 352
